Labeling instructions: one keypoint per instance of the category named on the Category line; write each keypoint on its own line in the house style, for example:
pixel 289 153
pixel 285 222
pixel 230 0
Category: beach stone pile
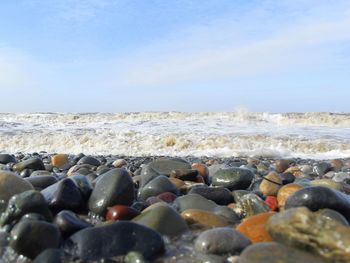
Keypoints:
pixel 78 208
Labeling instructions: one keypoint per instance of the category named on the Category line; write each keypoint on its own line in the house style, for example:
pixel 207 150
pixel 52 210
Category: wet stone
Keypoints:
pixel 31 163
pixel 30 201
pixel 204 218
pixel 273 252
pixel 69 223
pixel 270 184
pixel 250 205
pixel 51 255
pixel 115 239
pixel 112 188
pixel 89 160
pixel 41 182
pixel 7 158
pixel 30 238
pixel 221 240
pixel 11 184
pixel 233 178
pixel 121 212
pixel 158 185
pixel 219 195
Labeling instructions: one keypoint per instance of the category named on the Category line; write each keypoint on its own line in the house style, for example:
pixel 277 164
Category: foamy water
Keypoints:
pixel 239 133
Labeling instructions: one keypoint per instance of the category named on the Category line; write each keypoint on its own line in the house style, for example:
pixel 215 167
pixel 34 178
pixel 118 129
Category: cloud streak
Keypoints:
pixel 178 60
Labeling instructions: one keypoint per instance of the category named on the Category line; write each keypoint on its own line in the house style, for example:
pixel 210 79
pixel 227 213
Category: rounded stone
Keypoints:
pixel 51 255
pixel 31 163
pixel 202 170
pixel 119 163
pixel 112 188
pixel 251 204
pixel 60 161
pixel 327 183
pixel 7 158
pixel 69 223
pixel 281 165
pixel 204 218
pixel 270 184
pixel 273 252
pixel 41 182
pixel 254 229
pixel 222 240
pixel 89 160
pixel 233 178
pixel 158 185
pixel 156 217
pixel 115 239
pixel 285 192
pixel 121 212
pixel 331 214
pixel 30 238
pixel 220 195
pixel 318 197
pixel 11 184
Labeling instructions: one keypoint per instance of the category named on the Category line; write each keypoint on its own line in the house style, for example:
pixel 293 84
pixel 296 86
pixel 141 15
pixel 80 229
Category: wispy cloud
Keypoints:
pixel 307 38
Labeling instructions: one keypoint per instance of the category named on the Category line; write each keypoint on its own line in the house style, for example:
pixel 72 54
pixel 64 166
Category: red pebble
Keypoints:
pixel 271 201
pixel 121 212
pixel 167 197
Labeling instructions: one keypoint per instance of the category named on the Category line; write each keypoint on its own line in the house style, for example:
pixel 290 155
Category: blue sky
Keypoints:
pixel 159 55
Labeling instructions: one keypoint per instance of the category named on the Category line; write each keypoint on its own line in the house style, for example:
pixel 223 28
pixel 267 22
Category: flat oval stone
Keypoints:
pixel 162 219
pixel 41 182
pixel 89 160
pixel 11 184
pixel 158 185
pixel 273 252
pixel 195 201
pixel 254 229
pixel 64 195
pixel 7 158
pixel 318 197
pixel 204 218
pixel 31 163
pixel 121 212
pixel 233 178
pixel 30 201
pixel 69 223
pixel 304 229
pixel 60 161
pixel 222 240
pixel 114 187
pixel 220 195
pixel 115 239
pixel 30 238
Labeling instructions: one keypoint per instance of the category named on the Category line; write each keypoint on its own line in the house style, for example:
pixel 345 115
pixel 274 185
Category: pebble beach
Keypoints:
pixel 109 208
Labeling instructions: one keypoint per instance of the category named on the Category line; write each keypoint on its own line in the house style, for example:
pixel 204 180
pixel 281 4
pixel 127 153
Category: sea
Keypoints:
pixel 239 133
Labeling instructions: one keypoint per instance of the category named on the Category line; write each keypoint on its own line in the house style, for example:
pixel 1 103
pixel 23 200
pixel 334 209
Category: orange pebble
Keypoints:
pixel 271 201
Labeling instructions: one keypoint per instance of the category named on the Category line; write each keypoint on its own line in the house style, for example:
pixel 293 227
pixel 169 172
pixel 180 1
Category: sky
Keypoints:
pixel 174 55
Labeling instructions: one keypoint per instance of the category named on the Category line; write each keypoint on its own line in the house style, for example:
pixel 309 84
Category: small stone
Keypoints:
pixel 167 197
pixel 89 160
pixel 69 223
pixel 233 178
pixel 11 184
pixel 41 182
pixel 331 214
pixel 7 158
pixel 115 239
pixel 121 212
pixel 203 218
pixel 301 228
pixel 327 183
pixel 112 188
pixel 273 252
pixel 155 218
pixel 281 165
pixel 253 227
pixel 184 174
pixel 60 161
pixel 222 240
pixel 31 163
pixel 220 195
pixel 158 185
pixel 134 257
pixel 202 170
pixel 51 255
pixel 321 168
pixel 30 238
pixel 286 191
pixel 341 177
pixel 250 205
pixel 272 202
pixel 270 184
pixel 295 171
pixel 119 163
pixel 336 164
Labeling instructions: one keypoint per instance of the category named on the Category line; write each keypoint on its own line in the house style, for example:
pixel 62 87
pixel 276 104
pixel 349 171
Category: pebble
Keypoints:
pixel 219 195
pixel 30 238
pixel 32 163
pixel 156 217
pixel 11 184
pixel 251 204
pixel 233 178
pixel 254 229
pixel 51 255
pixel 203 218
pixel 281 165
pixel 119 163
pixel 89 160
pixel 304 229
pixel 156 186
pixel 273 252
pixel 318 197
pixel 121 212
pixel 221 240
pixel 115 239
pixel 202 170
pixel 285 192
pixel 69 223
pixel 7 158
pixel 112 188
pixel 270 184
pixel 60 161
pixel 41 182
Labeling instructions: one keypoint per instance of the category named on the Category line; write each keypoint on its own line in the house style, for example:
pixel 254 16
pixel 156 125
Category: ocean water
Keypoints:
pixel 225 134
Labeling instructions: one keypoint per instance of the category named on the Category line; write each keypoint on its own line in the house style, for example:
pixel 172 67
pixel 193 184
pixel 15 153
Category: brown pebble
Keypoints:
pixel 270 184
pixel 203 218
